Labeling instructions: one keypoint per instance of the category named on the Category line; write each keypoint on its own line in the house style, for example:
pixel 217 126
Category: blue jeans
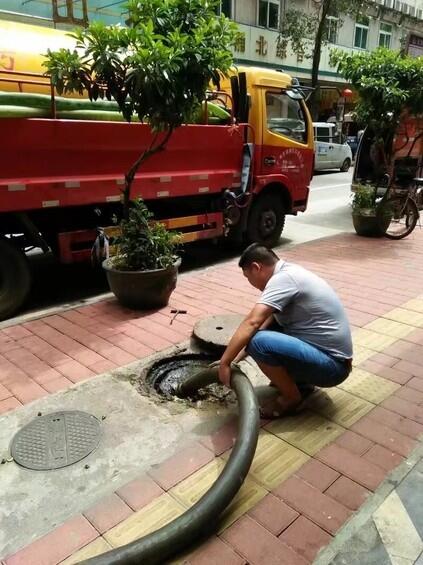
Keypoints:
pixel 305 363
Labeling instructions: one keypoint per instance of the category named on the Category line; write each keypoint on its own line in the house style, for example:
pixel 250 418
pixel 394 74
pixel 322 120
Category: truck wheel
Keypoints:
pixel 15 279
pixel 266 220
pixel 345 167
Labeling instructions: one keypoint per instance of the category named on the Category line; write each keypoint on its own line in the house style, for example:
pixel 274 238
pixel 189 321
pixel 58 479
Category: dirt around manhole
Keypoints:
pixel 161 380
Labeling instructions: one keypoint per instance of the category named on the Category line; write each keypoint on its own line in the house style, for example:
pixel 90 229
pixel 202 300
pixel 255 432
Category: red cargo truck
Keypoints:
pixel 61 179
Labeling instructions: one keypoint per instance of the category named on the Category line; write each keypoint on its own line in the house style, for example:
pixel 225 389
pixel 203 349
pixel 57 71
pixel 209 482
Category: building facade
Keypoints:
pixel 390 23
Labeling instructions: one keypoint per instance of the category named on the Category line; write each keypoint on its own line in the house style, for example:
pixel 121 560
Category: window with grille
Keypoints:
pixel 332 29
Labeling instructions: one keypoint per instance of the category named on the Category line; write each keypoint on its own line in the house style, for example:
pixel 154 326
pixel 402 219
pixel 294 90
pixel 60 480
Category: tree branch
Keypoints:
pixel 130 175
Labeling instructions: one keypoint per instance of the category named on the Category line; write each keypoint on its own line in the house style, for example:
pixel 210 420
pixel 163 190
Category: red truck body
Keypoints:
pixel 60 179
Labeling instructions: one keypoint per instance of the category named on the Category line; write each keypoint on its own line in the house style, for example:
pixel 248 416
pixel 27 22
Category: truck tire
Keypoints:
pixel 15 279
pixel 266 220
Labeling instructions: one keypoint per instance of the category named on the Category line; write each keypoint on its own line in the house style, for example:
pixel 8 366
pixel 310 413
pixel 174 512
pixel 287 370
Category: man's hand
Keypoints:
pixel 225 374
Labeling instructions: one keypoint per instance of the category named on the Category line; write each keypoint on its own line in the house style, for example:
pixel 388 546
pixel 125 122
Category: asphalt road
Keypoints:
pixel 328 213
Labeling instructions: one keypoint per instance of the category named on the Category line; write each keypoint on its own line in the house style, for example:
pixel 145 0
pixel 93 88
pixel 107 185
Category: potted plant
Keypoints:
pixel 366 215
pixel 364 210
pixel 143 272
pixel 157 69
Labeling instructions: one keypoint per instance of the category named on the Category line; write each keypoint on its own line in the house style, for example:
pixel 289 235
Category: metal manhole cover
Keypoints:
pixel 56 440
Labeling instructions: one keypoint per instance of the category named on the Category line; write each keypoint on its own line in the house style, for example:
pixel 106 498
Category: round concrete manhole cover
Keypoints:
pixel 56 440
pixel 214 332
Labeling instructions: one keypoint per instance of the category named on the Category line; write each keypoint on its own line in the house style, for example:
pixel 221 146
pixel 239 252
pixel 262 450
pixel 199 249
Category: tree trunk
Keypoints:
pixel 317 53
pixel 130 175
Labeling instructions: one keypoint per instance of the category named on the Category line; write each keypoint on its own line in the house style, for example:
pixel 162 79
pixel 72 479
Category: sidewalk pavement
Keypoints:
pixel 311 472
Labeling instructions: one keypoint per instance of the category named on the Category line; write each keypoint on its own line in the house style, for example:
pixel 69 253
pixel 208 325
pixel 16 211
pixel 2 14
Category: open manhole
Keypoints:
pixel 165 376
pixel 56 440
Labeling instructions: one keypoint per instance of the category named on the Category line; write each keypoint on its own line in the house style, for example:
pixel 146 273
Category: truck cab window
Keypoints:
pixel 285 117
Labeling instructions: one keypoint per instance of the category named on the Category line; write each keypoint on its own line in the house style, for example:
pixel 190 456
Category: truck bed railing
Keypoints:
pixel 22 77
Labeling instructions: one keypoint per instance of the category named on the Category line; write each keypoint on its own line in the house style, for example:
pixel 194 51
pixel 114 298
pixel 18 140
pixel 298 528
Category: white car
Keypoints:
pixel 328 153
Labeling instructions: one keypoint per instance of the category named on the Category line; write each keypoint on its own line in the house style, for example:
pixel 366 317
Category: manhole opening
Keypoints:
pixel 56 440
pixel 165 376
pixel 219 327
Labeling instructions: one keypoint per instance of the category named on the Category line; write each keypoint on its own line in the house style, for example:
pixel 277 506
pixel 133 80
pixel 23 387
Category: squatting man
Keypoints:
pixel 298 332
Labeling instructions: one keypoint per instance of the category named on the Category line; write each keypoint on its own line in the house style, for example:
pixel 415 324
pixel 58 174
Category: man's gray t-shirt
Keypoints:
pixel 309 309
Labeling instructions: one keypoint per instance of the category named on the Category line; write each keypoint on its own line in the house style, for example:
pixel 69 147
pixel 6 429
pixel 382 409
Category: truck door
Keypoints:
pixel 285 141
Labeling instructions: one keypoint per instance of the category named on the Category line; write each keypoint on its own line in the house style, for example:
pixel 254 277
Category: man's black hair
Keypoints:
pixel 257 253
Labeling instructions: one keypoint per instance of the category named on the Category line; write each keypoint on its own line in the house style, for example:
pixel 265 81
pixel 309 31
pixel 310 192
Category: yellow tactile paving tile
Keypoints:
pixel 361 354
pixel 372 340
pixel 275 460
pixel 368 386
pixel 96 547
pixel 339 406
pixel 390 327
pixel 306 431
pixel 189 491
pixel 248 496
pixel 416 304
pixel 406 317
pixel 158 513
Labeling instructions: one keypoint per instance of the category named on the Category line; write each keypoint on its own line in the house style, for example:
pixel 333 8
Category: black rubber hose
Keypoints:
pixel 202 518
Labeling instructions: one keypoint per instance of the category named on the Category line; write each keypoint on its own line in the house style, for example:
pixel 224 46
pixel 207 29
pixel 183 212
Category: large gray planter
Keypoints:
pixel 142 290
pixel 370 225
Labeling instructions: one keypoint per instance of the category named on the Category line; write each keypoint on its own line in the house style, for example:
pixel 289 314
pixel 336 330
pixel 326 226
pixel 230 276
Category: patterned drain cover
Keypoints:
pixel 56 440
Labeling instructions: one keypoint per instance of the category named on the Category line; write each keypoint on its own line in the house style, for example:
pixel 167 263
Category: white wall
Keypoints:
pixel 246 14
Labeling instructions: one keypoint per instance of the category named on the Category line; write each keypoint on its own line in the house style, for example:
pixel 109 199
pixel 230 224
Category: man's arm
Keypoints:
pixel 243 353
pixel 258 317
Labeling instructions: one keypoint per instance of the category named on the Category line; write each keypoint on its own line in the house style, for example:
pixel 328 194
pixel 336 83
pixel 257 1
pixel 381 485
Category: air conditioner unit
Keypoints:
pixel 412 11
pixel 420 14
pixel 405 8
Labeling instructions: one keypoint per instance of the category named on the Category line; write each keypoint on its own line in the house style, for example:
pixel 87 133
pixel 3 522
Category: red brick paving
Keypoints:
pixel 273 514
pixel 371 276
pixel 389 438
pixel 348 493
pixel 392 373
pixel 383 457
pixel 181 465
pixel 57 545
pixel 258 545
pixel 354 442
pixel 393 420
pixel 215 552
pixel 353 466
pixel 139 492
pixel 305 538
pixel 223 439
pixel 317 474
pixel 315 505
pixel 108 512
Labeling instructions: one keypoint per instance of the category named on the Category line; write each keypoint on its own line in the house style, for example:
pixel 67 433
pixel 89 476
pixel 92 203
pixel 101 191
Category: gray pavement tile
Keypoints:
pixel 365 547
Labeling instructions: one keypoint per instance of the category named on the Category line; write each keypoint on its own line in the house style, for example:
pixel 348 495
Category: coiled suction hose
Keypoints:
pixel 202 518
